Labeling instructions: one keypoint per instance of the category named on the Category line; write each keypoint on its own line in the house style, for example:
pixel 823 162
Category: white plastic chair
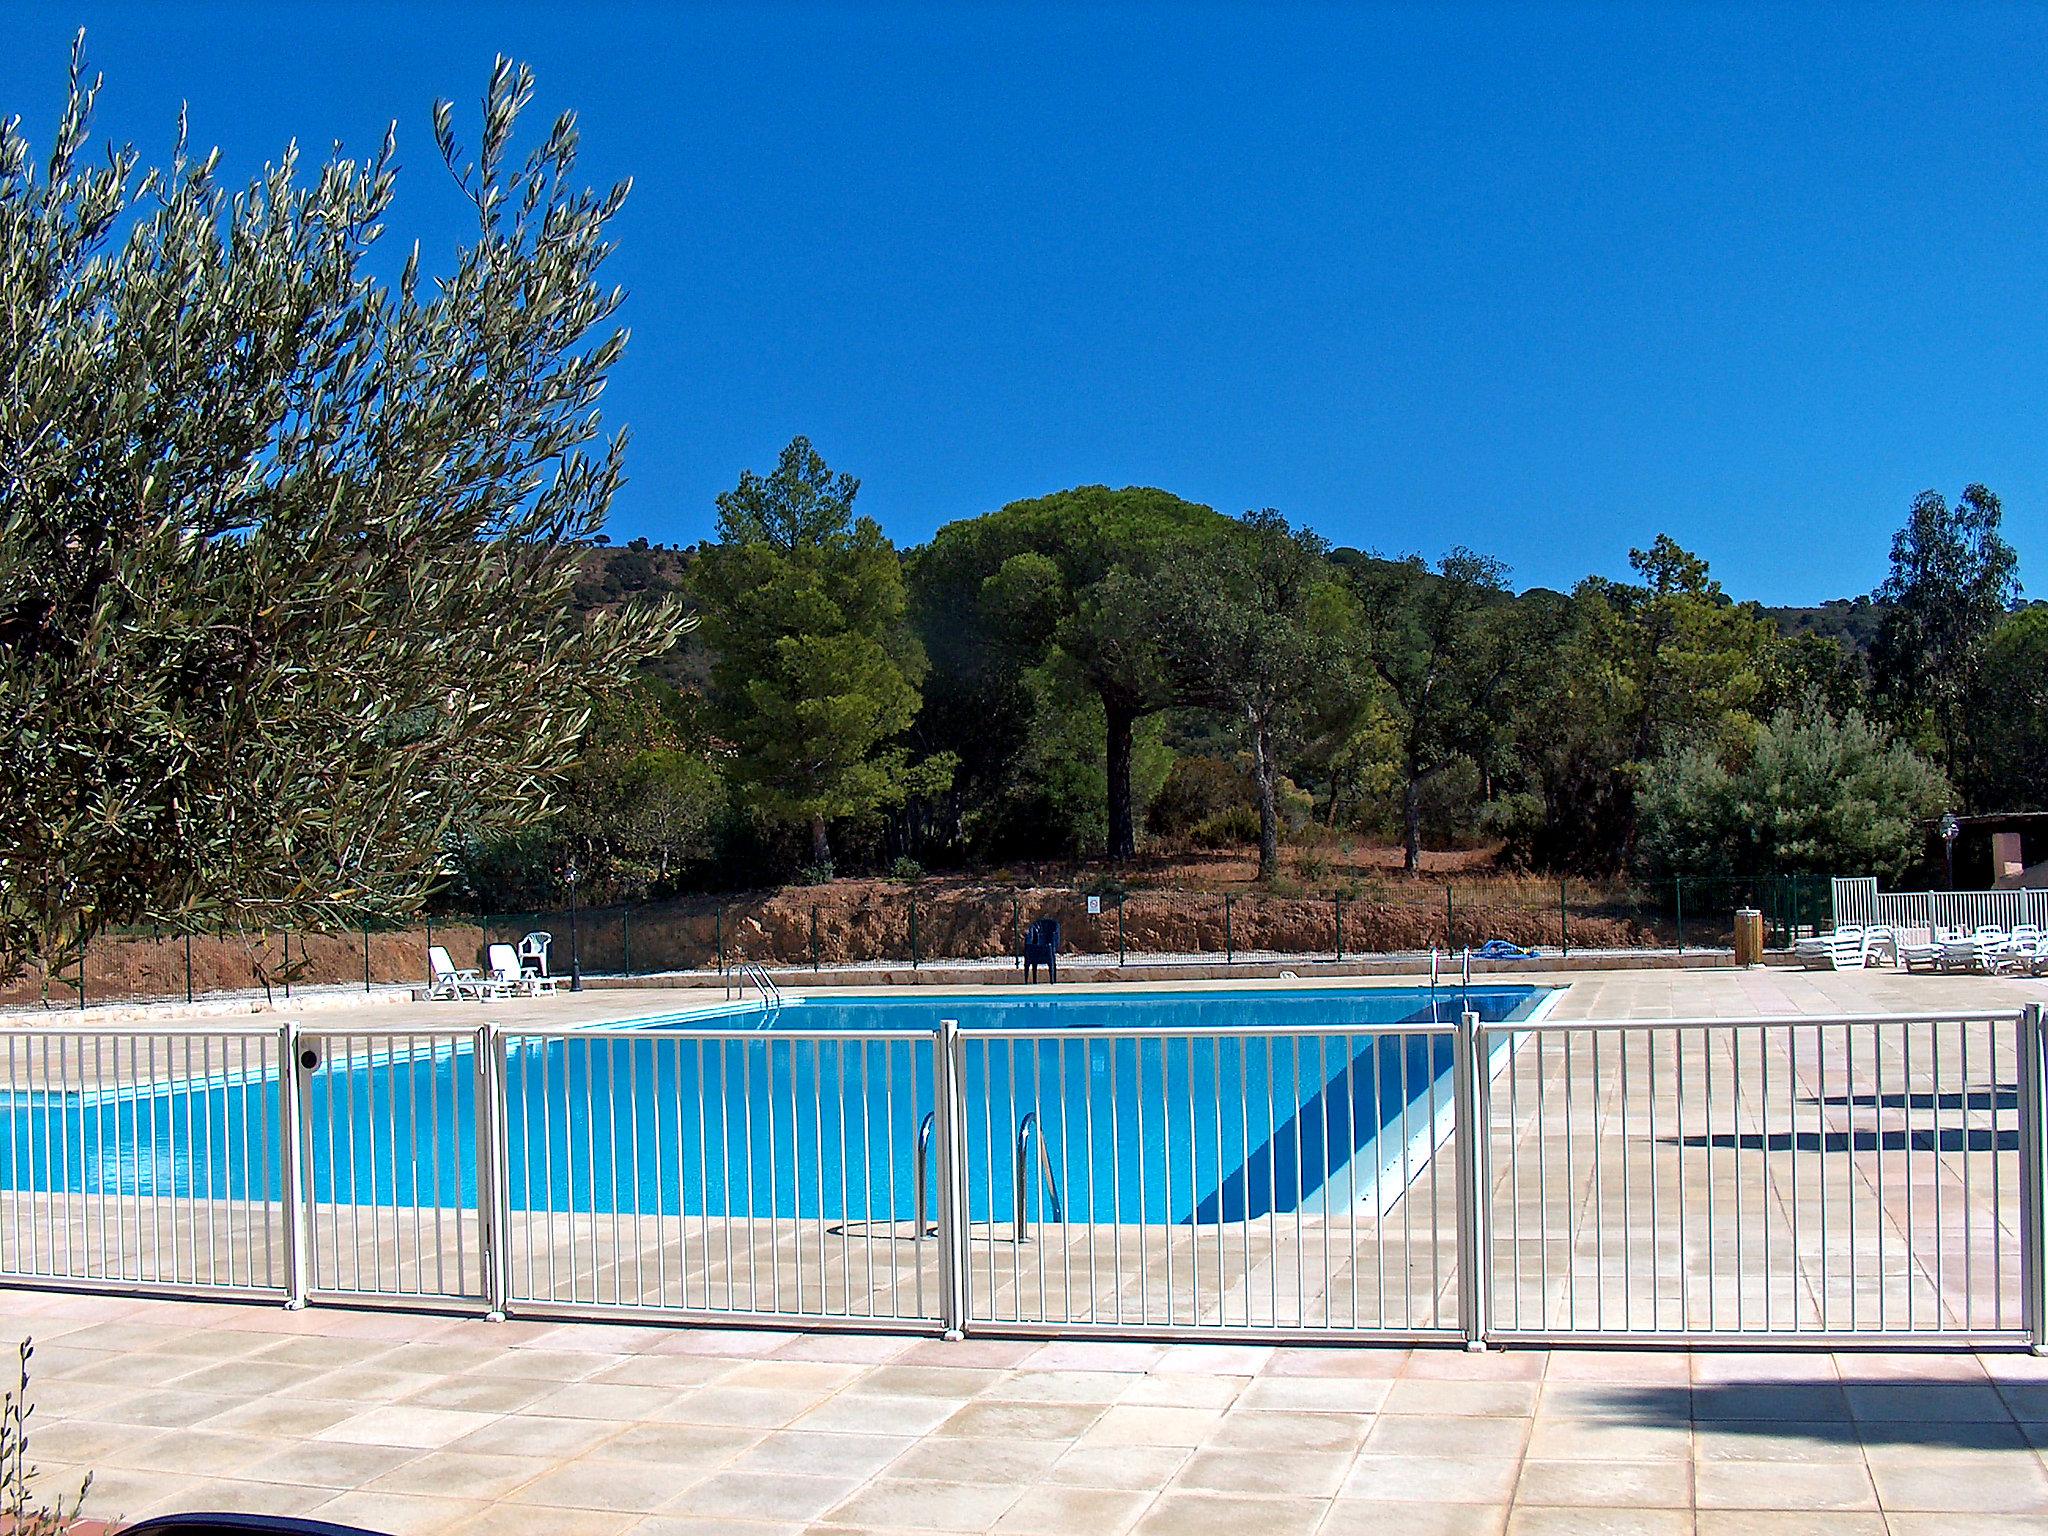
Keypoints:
pixel 533 953
pixel 507 979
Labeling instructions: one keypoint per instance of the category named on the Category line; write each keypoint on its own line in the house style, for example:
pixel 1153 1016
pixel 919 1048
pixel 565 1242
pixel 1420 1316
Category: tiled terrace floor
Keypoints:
pixel 408 1423
pixel 421 1424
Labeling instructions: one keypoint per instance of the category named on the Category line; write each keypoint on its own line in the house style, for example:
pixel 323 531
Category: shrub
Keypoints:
pixel 21 1511
pixel 1813 795
pixel 1198 789
pixel 906 868
pixel 1227 829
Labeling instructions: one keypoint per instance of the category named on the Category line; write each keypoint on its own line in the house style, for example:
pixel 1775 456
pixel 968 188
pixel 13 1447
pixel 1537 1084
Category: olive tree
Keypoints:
pixel 286 548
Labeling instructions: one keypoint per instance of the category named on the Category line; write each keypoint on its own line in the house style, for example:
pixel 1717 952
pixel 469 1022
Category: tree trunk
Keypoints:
pixel 1123 832
pixel 821 846
pixel 1269 818
pixel 1411 815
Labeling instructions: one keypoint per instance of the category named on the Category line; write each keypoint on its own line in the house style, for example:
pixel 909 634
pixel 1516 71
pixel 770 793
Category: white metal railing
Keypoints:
pixel 1860 902
pixel 1854 1179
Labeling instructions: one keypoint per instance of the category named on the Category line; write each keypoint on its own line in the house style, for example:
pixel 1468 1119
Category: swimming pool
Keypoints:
pixel 1159 1107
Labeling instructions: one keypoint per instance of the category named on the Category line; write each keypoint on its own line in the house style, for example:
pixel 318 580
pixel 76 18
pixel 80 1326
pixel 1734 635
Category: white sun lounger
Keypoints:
pixel 509 980
pixel 447 981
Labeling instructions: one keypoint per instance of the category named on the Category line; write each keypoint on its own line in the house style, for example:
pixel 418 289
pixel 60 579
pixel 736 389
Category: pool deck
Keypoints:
pixel 427 1423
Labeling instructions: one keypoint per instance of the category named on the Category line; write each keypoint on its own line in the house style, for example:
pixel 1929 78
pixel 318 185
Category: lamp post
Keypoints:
pixel 575 944
pixel 1951 829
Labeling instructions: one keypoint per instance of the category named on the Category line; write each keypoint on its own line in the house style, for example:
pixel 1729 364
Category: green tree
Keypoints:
pixel 1251 627
pixel 1952 579
pixel 286 550
pixel 1070 579
pixel 1437 642
pixel 1812 795
pixel 2007 764
pixel 815 672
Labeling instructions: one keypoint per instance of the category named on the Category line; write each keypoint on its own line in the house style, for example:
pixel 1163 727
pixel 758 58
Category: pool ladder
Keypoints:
pixel 1029 1136
pixel 751 971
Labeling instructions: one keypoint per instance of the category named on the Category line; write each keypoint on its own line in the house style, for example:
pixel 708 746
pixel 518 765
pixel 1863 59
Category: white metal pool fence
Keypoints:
pixel 1823 1181
pixel 1858 901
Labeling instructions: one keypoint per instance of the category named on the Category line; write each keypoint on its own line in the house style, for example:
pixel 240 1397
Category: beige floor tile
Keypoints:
pixel 2018 1487
pixel 694 1449
pixel 199 1452
pixel 405 1424
pixel 1410 1395
pixel 1456 1480
pixel 763 1496
pixel 1628 1484
pixel 1121 1425
pixel 1397 1434
pixel 675 1371
pixel 539 1520
pixel 1783 1485
pixel 853 1412
pixel 1793 1522
pixel 714 1525
pixel 247 1498
pixel 1119 1467
pixel 743 1407
pixel 328 1464
pixel 1183 1391
pixel 1298 1474
pixel 1373 1362
pixel 1072 1512
pixel 937 1460
pixel 458 1475
pixel 535 1435
pixel 1962 1524
pixel 1316 1394
pixel 1372 1517
pixel 1557 1439
pixel 640 1487
pixel 483 1394
pixel 926 1381
pixel 1776 1440
pixel 1100 1387
pixel 1209 1514
pixel 595 1400
pixel 1538 1520
pixel 1252 1430
pixel 983 1419
pixel 817 1454
pixel 397 1514
pixel 923 1506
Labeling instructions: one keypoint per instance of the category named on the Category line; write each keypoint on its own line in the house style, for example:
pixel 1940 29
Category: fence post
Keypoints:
pixel 1016 932
pixel 1450 942
pixel 913 930
pixel 949 1131
pixel 292 1152
pixel 1564 920
pixel 1229 939
pixel 81 967
pixel 2034 1179
pixel 1340 929
pixel 719 930
pixel 814 936
pixel 1468 1083
pixel 1119 929
pixel 492 1182
pixel 188 967
pixel 366 957
pixel 1678 899
pixel 626 939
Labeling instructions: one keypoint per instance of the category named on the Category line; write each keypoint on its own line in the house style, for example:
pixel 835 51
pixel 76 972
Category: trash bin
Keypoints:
pixel 1749 936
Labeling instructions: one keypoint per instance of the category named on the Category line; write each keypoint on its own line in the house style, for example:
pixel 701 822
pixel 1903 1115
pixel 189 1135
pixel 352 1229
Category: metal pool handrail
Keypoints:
pixel 1028 1136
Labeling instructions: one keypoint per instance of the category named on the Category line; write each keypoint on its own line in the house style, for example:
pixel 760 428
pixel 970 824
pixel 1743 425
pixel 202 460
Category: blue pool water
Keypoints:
pixel 768 1122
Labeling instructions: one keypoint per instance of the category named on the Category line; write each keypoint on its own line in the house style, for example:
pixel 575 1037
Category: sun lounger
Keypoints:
pixel 1977 951
pixel 1847 949
pixel 446 981
pixel 1927 954
pixel 506 979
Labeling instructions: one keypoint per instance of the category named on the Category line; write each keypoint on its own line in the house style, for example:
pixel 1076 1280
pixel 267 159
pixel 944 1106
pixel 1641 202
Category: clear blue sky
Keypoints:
pixel 1542 281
